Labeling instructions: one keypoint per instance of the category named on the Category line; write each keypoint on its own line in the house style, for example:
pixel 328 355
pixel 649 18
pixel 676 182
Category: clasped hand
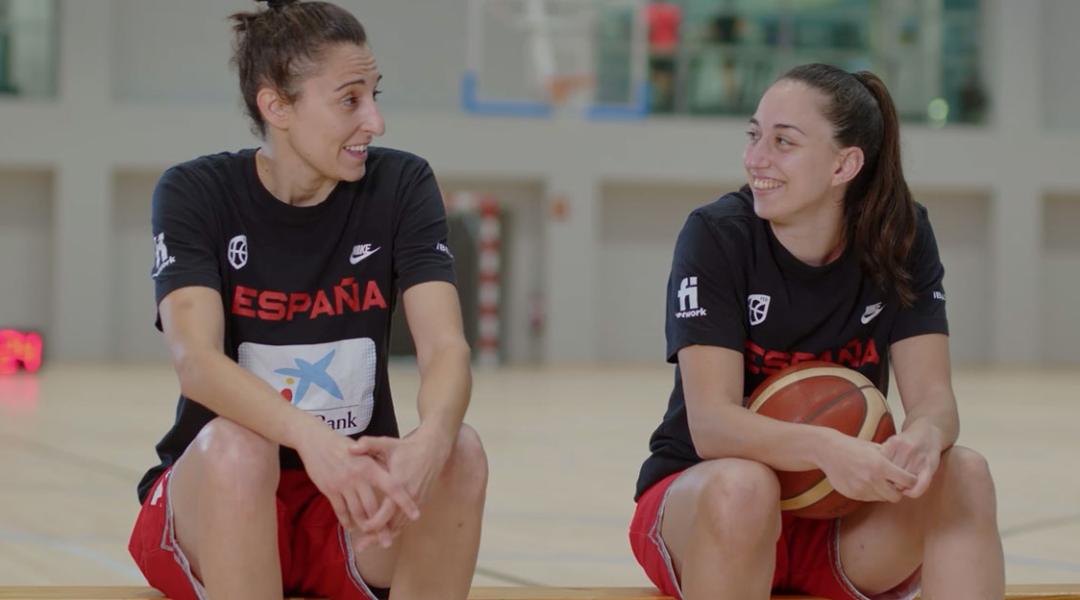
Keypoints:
pixel 375 485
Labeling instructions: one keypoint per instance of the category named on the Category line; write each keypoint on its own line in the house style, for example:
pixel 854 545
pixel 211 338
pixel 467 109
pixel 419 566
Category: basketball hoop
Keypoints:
pixel 559 46
pixel 564 86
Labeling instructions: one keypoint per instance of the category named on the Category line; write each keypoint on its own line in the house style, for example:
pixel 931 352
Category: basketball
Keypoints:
pixel 825 394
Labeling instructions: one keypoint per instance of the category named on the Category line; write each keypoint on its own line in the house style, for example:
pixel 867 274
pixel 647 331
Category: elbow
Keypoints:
pixel 463 351
pixel 719 431
pixel 705 441
pixel 451 350
pixel 188 365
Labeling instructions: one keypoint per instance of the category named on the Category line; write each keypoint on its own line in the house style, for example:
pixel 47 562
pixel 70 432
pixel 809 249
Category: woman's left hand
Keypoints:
pixel 916 450
pixel 416 461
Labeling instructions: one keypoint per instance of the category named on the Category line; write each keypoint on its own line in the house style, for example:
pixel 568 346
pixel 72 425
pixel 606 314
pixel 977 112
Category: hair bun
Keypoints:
pixel 276 4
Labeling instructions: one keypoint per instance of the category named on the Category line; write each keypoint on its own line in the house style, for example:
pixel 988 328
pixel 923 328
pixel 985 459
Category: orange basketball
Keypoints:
pixel 821 393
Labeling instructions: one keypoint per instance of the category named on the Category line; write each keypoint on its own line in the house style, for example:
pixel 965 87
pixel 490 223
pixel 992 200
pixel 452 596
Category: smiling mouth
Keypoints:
pixel 765 184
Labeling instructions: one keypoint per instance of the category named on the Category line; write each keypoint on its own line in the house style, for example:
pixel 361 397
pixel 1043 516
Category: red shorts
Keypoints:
pixel 807 554
pixel 316 553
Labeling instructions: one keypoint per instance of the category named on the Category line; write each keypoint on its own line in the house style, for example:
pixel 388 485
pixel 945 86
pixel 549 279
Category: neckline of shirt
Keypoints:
pixel 792 266
pixel 272 205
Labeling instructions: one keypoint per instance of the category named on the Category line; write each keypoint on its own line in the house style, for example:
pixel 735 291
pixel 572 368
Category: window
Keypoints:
pixel 727 52
pixel 28 48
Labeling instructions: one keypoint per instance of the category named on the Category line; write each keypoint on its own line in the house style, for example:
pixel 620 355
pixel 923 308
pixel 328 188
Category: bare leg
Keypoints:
pixel 721 523
pixel 223 498
pixel 435 557
pixel 951 530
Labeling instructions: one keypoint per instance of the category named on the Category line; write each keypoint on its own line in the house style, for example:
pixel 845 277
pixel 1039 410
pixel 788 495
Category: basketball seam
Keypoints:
pixel 854 377
pixel 832 402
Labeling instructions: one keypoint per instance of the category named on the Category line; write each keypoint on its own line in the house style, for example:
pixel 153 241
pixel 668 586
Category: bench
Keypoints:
pixel 1014 592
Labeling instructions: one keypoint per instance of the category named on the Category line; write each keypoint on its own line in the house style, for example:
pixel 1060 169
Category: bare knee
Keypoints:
pixel 966 481
pixel 466 472
pixel 740 504
pixel 234 459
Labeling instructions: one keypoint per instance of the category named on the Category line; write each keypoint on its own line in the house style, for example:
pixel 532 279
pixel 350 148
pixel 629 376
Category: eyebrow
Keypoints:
pixel 361 81
pixel 779 125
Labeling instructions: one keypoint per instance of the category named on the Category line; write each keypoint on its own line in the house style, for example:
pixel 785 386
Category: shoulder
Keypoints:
pixel 208 174
pixel 922 218
pixel 392 161
pixel 924 231
pixel 211 167
pixel 205 181
pixel 401 175
pixel 729 220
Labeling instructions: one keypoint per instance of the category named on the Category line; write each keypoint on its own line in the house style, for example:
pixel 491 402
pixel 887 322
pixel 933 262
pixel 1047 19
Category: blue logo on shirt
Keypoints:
pixel 308 373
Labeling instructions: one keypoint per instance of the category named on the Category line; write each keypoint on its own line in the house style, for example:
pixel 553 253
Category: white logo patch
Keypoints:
pixel 362 251
pixel 871 312
pixel 939 295
pixel 441 247
pixel 161 255
pixel 238 252
pixel 688 294
pixel 688 299
pixel 758 306
pixel 334 381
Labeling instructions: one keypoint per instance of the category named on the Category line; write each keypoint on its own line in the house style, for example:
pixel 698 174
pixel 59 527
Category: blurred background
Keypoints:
pixel 98 97
pixel 571 138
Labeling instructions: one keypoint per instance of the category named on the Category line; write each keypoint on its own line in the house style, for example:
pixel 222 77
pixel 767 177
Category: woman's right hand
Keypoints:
pixel 353 484
pixel 860 470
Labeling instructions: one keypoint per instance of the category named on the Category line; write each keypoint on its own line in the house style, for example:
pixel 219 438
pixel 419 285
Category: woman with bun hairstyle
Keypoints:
pixel 823 255
pixel 276 270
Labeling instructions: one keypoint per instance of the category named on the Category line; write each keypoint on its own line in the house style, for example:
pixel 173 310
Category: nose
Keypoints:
pixel 756 155
pixel 371 120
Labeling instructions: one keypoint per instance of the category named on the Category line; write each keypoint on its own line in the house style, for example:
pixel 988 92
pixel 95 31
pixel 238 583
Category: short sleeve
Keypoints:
pixel 184 251
pixel 421 253
pixel 927 314
pixel 703 306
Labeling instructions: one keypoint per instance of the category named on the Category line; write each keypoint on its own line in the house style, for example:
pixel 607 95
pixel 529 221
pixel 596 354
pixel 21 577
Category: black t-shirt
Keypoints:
pixel 307 292
pixel 733 285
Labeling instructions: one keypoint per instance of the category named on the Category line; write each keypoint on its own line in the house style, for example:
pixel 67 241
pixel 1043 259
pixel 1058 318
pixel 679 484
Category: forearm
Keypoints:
pixel 215 381
pixel 445 387
pixel 936 418
pixel 921 364
pixel 725 430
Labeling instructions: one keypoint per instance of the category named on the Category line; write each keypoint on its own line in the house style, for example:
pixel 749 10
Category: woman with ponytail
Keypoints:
pixel 823 255
pixel 276 270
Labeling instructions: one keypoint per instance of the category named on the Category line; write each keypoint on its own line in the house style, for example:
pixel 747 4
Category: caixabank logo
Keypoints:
pixel 334 381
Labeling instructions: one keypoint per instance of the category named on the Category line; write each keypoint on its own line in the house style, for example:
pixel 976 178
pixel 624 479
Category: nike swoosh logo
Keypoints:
pixel 871 312
pixel 355 258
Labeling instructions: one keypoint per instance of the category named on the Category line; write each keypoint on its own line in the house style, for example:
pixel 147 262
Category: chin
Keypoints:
pixel 352 175
pixel 774 206
pixel 765 209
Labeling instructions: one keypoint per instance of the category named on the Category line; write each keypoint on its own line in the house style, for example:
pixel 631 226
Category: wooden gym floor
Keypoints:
pixel 564 447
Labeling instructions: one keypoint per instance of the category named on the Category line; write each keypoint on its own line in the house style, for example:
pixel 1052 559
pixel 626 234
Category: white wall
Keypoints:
pixel 144 84
pixel 169 52
pixel 25 250
pixel 173 52
pixel 1061 292
pixel 133 336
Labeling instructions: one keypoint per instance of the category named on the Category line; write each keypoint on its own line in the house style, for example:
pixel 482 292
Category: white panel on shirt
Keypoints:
pixel 334 381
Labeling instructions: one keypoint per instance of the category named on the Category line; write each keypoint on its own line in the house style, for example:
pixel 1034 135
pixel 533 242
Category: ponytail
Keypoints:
pixel 879 212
